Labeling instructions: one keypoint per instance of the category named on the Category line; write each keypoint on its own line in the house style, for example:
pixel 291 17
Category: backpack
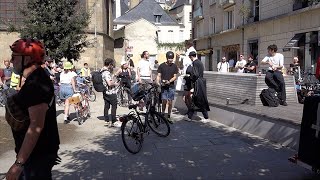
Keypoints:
pixel 269 97
pixel 97 81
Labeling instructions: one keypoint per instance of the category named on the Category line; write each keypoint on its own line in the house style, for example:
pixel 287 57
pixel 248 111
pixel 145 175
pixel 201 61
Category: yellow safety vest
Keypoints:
pixel 85 72
pixel 15 79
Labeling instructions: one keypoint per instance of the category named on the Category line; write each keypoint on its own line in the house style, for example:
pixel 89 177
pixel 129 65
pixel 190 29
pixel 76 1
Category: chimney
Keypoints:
pixel 133 3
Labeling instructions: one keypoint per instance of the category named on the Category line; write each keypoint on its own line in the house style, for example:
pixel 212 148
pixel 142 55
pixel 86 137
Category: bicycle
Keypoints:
pixel 86 84
pixel 123 93
pixel 81 106
pixel 133 127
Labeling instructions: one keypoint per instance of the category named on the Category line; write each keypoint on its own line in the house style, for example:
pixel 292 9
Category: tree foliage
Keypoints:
pixel 60 24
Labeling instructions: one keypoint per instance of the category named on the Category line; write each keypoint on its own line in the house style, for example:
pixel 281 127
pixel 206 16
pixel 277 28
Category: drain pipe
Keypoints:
pixel 243 32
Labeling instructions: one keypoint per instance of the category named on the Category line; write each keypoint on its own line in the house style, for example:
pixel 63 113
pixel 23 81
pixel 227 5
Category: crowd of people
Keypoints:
pixel 36 78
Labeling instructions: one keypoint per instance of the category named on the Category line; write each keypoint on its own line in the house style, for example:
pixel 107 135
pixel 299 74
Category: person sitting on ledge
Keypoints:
pixel 274 78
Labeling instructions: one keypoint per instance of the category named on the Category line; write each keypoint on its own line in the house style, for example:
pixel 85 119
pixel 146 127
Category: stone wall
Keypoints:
pixel 6 40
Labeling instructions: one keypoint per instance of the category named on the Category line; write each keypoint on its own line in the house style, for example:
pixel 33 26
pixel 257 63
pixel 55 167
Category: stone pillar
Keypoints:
pixel 307 55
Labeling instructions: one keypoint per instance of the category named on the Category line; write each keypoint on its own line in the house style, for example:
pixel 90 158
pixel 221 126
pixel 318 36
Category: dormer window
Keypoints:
pixel 157 18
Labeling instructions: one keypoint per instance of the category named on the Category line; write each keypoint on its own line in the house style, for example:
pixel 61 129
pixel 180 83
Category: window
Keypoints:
pixel 228 20
pixel 255 9
pixel 170 36
pixel 190 16
pixel 157 18
pixel 181 32
pixel 212 28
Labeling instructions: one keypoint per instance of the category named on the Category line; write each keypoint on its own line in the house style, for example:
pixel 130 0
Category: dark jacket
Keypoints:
pixel 199 100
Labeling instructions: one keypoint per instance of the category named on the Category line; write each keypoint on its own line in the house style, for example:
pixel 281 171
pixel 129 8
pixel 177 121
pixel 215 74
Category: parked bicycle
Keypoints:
pixel 124 97
pixel 133 127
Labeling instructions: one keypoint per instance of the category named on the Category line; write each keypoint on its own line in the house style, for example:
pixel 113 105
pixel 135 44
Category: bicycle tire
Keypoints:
pixel 91 95
pixel 79 115
pixel 155 123
pixel 119 97
pixel 127 95
pixel 135 133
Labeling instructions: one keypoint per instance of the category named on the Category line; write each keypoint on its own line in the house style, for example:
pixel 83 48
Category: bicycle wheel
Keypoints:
pixel 79 114
pixel 126 96
pixel 91 95
pixel 120 97
pixel 86 108
pixel 132 134
pixel 158 124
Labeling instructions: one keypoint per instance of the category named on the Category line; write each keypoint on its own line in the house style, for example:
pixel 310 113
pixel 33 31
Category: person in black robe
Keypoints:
pixel 199 90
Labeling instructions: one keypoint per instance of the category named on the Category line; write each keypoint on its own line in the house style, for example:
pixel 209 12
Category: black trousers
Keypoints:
pixel 37 169
pixel 275 80
pixel 191 112
pixel 110 100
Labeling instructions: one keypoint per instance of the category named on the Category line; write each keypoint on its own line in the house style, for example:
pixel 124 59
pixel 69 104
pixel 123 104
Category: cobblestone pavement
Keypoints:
pixel 193 150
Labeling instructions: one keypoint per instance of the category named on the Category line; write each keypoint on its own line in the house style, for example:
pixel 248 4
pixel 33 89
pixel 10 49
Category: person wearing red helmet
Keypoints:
pixel 31 114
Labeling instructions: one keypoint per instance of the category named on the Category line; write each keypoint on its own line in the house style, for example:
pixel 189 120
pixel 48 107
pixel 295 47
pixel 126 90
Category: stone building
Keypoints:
pixel 233 27
pixel 144 27
pixel 100 28
pixel 182 12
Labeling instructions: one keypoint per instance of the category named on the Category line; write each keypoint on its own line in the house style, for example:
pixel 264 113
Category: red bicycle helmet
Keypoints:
pixel 29 47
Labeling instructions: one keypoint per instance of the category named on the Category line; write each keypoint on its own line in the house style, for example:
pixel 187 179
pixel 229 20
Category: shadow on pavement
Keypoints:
pixel 193 150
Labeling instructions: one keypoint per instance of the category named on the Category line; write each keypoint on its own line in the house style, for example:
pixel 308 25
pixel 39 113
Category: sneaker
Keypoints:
pixel 111 125
pixel 107 123
pixel 186 118
pixel 117 124
pixel 283 103
pixel 205 120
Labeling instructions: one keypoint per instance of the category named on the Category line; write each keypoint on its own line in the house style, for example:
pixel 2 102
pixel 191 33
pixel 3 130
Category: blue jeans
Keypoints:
pixel 168 94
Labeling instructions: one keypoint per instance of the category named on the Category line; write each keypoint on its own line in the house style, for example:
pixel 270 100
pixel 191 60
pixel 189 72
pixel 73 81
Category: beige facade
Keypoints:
pixel 230 28
pixel 100 28
pixel 137 39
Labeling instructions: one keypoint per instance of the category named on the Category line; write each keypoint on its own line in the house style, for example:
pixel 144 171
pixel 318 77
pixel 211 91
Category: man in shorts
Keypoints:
pixel 167 74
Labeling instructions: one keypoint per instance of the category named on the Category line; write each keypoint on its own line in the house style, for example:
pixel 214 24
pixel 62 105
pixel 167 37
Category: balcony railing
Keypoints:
pixel 226 3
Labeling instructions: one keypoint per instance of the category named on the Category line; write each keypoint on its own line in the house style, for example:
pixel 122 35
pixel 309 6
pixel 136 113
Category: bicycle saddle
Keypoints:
pixel 133 106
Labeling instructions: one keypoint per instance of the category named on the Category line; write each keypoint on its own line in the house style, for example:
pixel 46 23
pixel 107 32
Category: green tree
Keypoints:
pixel 60 24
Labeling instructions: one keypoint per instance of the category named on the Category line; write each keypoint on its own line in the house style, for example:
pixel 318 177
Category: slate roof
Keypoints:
pixel 146 9
pixel 180 3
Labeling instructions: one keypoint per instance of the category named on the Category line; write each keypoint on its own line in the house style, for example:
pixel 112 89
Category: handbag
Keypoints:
pixel 180 83
pixel 15 116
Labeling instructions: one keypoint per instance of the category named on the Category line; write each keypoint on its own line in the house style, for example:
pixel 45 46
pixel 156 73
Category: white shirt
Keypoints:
pixel 144 69
pixel 65 78
pixel 107 76
pixel 186 60
pixel 241 63
pixel 276 60
pixel 223 67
